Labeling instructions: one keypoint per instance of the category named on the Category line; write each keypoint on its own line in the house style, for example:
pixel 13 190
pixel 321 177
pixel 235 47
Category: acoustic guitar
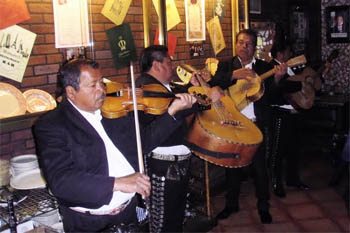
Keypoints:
pixel 221 135
pixel 245 92
pixel 304 99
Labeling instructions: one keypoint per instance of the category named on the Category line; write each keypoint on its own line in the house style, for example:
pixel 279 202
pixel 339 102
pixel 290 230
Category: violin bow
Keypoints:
pixel 138 137
pixel 136 117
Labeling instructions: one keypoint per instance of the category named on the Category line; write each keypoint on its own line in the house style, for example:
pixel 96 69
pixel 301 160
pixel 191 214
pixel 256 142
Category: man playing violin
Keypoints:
pixel 245 66
pixel 90 162
pixel 168 164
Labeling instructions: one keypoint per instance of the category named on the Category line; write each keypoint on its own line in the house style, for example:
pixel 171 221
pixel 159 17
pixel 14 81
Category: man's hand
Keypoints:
pixel 182 102
pixel 135 182
pixel 281 70
pixel 200 75
pixel 243 73
pixel 215 93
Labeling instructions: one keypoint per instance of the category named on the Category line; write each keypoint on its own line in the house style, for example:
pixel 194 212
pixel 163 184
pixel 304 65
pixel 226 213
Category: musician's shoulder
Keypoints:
pixel 262 65
pixel 228 59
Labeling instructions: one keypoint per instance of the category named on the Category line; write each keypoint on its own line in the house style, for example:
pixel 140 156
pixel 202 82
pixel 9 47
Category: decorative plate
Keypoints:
pixel 12 101
pixel 39 100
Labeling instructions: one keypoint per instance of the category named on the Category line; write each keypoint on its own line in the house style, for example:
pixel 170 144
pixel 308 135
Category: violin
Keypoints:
pixel 151 99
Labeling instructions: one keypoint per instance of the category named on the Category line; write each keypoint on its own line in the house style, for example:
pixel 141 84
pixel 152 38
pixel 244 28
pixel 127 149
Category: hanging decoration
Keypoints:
pixel 71 23
pixel 195 20
pixel 219 8
pixel 172 40
pixel 16 44
pixel 122 45
pixel 172 14
pixel 216 35
pixel 116 10
pixel 13 12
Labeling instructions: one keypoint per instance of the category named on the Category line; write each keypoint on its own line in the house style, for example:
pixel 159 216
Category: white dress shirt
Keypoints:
pixel 248 111
pixel 172 150
pixel 118 166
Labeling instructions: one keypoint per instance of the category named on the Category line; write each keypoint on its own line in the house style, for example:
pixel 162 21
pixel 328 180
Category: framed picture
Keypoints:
pixel 68 34
pixel 195 20
pixel 338 24
pixel 265 34
pixel 255 6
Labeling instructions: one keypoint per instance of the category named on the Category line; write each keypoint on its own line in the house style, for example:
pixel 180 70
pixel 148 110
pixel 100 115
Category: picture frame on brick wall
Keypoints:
pixel 255 6
pixel 338 24
pixel 195 20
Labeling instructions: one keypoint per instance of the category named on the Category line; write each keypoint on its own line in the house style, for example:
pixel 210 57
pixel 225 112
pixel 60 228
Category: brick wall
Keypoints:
pixel 45 59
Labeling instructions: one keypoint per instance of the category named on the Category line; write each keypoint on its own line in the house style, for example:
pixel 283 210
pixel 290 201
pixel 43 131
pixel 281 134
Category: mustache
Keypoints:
pixel 102 97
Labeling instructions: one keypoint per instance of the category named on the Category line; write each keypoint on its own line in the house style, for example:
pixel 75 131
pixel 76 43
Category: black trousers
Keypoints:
pixel 285 146
pixel 169 181
pixel 259 171
pixel 74 221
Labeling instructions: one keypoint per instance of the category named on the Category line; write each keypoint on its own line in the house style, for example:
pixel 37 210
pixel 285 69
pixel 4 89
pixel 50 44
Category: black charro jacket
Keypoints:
pixel 73 158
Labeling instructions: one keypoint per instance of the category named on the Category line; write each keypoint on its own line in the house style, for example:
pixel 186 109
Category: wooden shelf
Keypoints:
pixel 18 122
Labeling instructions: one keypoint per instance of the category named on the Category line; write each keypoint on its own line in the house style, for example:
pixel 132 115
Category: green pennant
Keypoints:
pixel 122 45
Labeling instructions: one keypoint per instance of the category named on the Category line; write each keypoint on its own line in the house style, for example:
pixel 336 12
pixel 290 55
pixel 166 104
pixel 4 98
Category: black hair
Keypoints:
pixel 69 72
pixel 150 54
pixel 249 32
pixel 279 46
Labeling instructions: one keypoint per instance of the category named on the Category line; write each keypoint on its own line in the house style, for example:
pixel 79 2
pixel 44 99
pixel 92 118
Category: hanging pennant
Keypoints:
pixel 16 44
pixel 122 45
pixel 215 34
pixel 12 12
pixel 172 40
pixel 172 14
pixel 115 10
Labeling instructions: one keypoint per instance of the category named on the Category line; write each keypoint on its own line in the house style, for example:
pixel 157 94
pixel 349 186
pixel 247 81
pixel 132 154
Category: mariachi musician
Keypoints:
pixel 245 66
pixel 285 124
pixel 168 164
pixel 88 160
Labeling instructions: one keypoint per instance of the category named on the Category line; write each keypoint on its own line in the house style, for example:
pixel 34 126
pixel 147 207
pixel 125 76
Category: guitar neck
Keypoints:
pixel 268 74
pixel 290 63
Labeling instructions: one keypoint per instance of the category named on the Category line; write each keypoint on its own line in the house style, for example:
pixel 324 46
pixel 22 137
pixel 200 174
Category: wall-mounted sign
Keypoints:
pixel 71 23
pixel 215 34
pixel 16 45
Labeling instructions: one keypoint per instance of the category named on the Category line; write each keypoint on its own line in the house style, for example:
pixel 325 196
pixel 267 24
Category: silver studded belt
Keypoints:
pixel 170 157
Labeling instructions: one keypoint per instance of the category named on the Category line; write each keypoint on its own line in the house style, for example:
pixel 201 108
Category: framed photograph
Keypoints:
pixel 255 6
pixel 195 20
pixel 338 24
